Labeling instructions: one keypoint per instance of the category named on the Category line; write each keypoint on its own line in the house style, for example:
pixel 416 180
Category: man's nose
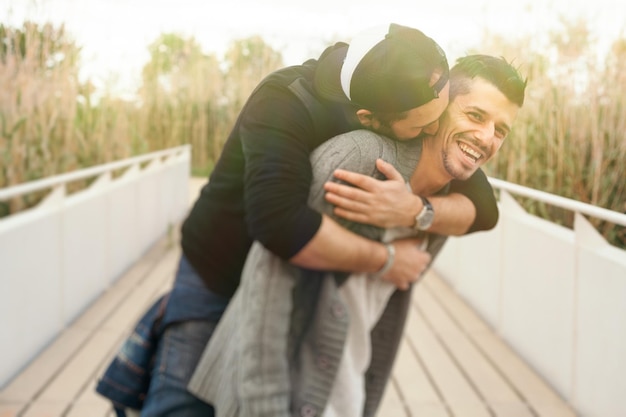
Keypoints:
pixel 486 132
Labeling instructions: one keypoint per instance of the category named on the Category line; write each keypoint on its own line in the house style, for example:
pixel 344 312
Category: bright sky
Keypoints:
pixel 114 34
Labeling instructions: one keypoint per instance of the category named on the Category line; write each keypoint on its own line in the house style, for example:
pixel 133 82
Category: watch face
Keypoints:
pixel 426 219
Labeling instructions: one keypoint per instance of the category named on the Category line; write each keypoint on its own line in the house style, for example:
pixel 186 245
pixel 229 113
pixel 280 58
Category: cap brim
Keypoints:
pixel 327 80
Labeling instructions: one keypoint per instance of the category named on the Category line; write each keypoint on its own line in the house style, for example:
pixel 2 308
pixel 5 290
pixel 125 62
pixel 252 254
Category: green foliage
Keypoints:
pixel 246 62
pixel 569 137
pixel 38 81
pixel 47 45
pixel 190 97
pixel 50 123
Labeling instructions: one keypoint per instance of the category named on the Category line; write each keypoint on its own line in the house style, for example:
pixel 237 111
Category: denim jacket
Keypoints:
pixel 127 378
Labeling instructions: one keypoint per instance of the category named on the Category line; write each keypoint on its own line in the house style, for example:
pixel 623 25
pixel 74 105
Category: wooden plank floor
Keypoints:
pixel 450 362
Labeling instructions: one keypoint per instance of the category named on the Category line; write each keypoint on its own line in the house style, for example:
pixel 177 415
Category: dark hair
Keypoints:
pixel 494 70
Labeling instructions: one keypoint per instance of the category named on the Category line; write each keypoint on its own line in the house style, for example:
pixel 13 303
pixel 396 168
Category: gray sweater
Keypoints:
pixel 277 348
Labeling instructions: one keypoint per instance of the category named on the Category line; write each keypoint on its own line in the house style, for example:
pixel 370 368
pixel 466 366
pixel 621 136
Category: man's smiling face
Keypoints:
pixel 473 128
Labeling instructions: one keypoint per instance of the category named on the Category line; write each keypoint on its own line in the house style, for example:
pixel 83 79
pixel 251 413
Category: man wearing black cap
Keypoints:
pixel 393 81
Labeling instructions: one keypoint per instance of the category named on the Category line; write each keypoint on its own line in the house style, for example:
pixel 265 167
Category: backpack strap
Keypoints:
pixel 318 112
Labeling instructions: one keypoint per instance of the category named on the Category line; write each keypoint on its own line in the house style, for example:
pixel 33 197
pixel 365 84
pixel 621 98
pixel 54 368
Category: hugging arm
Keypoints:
pixel 357 151
pixel 470 206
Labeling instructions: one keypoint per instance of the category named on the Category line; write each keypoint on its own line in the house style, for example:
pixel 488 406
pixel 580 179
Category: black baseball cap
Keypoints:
pixel 385 68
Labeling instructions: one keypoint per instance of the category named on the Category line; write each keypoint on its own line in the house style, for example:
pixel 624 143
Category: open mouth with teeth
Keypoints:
pixel 470 153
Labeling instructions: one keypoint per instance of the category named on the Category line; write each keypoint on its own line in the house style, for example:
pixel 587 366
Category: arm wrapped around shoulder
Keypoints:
pixel 480 192
pixel 355 151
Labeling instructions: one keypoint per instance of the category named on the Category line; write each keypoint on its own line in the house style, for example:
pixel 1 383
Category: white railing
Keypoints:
pixel 556 295
pixel 58 257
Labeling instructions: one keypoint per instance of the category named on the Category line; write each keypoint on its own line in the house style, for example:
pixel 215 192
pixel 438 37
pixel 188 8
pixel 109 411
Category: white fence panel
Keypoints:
pixel 31 299
pixel 601 326
pixel 472 264
pixel 557 296
pixel 57 258
pixel 150 219
pixel 537 292
pixel 123 218
pixel 84 248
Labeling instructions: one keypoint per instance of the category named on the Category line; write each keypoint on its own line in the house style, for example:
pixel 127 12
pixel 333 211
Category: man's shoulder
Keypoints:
pixel 291 92
pixel 287 75
pixel 370 145
pixel 356 151
pixel 277 89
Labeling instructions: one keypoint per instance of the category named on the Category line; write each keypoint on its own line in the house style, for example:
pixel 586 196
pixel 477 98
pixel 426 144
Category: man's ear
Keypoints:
pixel 366 118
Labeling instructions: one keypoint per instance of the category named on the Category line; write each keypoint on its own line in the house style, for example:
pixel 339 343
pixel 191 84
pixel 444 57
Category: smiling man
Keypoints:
pixel 484 101
pixel 488 113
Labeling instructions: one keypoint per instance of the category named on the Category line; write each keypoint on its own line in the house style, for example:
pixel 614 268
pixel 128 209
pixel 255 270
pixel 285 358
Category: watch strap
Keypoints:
pixel 424 219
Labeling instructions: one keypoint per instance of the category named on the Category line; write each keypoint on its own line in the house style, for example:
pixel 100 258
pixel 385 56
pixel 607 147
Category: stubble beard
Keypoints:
pixel 455 172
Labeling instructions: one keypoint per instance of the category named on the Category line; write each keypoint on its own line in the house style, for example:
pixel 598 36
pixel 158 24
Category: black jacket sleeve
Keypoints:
pixel 478 189
pixel 277 137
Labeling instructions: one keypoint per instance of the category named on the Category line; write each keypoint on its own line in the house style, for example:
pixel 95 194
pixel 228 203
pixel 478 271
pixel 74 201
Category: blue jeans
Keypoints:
pixel 190 317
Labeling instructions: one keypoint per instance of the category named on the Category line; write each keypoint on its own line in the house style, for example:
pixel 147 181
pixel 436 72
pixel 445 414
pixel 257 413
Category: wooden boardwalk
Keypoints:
pixel 450 362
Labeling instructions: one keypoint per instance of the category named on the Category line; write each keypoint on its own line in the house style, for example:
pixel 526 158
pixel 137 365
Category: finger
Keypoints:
pixel 345 203
pixel 351 215
pixel 388 170
pixel 362 181
pixel 346 192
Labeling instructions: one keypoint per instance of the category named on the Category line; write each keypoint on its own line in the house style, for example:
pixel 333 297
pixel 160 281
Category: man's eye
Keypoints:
pixel 476 116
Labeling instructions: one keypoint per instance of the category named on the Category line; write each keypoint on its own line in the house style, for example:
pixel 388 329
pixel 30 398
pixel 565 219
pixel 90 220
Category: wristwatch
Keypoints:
pixel 424 218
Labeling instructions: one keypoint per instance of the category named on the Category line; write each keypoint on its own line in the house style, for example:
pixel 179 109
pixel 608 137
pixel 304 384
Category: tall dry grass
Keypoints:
pixel 570 136
pixel 190 97
pixel 38 90
pixel 569 139
pixel 50 123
